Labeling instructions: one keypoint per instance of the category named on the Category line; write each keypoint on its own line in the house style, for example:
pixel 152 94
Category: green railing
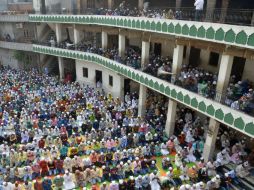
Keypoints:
pixel 241 36
pixel 235 119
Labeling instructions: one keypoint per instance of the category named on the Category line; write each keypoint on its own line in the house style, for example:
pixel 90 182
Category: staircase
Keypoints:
pixel 248 182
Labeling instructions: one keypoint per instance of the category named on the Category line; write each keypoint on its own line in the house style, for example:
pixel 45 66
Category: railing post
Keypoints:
pixel 252 20
pixel 210 10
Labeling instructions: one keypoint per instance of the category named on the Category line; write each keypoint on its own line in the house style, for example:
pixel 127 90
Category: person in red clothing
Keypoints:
pixel 51 166
pixel 41 143
pixel 94 157
pixel 44 167
pixel 59 166
pixel 181 139
pixel 38 184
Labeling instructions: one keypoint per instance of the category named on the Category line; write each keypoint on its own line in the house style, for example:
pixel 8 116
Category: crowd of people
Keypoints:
pixel 64 136
pixel 124 9
pixel 239 94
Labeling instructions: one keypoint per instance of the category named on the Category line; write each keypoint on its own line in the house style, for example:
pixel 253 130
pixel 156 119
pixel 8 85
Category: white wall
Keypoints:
pixel 204 61
pixel 167 49
pixel 118 81
pixel 135 42
pixel 7 28
pixel 6 58
pixel 248 70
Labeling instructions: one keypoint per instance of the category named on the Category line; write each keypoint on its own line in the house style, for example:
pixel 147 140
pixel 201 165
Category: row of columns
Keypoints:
pixel 223 80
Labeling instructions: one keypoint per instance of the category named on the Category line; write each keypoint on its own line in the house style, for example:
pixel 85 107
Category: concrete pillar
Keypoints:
pixel 145 53
pixel 121 92
pixel 252 20
pixel 79 7
pixel 210 10
pixel 224 9
pixel 59 35
pixel 178 4
pixel 187 56
pixel 110 4
pixel 177 61
pixel 104 40
pixel 142 100
pixel 211 139
pixel 176 68
pixel 61 68
pixel 141 4
pixel 78 35
pixel 171 117
pixel 224 75
pixel 121 45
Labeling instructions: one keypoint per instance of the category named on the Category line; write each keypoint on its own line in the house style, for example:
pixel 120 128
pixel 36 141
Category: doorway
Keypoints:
pixel 127 86
pixel 98 78
pixel 238 67
pixel 157 49
pixel 194 58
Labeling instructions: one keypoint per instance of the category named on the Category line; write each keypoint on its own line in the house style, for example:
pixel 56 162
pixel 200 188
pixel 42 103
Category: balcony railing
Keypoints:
pixel 213 94
pixel 16 46
pixel 14 18
pixel 226 16
pixel 224 114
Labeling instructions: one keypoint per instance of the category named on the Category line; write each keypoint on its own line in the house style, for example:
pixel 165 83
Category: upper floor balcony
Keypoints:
pixel 233 118
pixel 241 36
pixel 16 46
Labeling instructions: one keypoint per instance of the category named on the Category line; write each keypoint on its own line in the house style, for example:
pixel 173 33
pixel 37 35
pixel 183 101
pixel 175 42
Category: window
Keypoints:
pixel 85 72
pixel 110 80
pixel 214 59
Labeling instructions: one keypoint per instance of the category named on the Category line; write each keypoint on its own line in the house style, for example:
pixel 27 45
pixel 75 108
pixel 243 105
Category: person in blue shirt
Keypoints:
pixel 47 183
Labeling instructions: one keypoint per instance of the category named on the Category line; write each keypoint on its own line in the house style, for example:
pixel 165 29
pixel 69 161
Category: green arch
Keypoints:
pixel 178 29
pixel 143 24
pixel 193 30
pixel 171 28
pixel 185 30
pixel 148 25
pixel 164 27
pixel 201 32
pixel 173 93
pixel 187 99
pixel 162 88
pixel 153 26
pixel 210 33
pixel 229 119
pixel 137 24
pixel 202 106
pixel 220 34
pixel 180 96
pixel 129 23
pixel 219 114
pixel 251 40
pixel 241 38
pixel 158 27
pixel 230 36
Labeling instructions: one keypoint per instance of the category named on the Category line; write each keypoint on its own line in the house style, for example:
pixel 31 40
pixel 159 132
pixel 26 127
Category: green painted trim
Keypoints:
pixel 186 28
pixel 180 95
